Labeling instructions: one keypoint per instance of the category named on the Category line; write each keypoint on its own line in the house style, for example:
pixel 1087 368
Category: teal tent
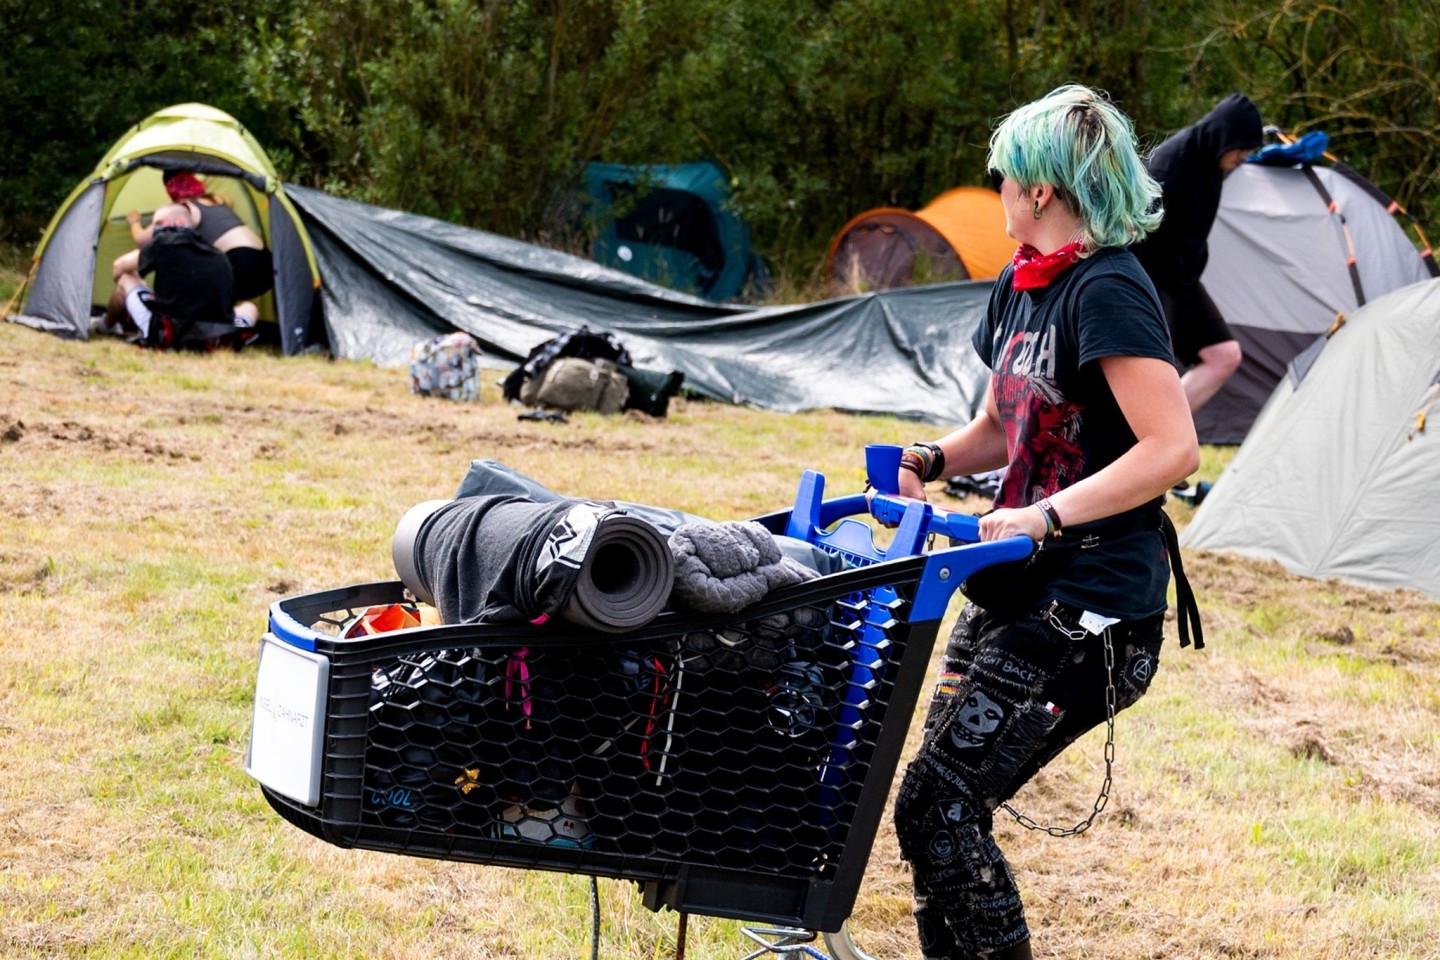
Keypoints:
pixel 671 225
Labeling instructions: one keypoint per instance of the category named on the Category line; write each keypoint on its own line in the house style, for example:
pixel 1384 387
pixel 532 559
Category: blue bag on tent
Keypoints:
pixel 1307 149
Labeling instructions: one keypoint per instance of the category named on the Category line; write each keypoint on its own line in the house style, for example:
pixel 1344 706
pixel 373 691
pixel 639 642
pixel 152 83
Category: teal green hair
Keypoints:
pixel 1077 141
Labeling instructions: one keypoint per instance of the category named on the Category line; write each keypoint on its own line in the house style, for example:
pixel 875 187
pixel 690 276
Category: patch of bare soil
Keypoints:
pixel 1310 711
pixel 48 434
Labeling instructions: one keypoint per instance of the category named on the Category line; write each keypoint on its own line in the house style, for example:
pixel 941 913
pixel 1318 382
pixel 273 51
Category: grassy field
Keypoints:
pixel 1277 795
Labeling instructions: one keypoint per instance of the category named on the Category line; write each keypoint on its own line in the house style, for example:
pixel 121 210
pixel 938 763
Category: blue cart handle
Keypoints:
pixel 959 527
pixel 945 569
pixel 828 523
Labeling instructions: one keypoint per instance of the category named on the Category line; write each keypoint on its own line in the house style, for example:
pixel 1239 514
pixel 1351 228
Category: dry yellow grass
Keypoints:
pixel 1277 795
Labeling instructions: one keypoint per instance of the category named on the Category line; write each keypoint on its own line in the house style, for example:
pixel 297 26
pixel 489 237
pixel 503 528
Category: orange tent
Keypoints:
pixel 959 235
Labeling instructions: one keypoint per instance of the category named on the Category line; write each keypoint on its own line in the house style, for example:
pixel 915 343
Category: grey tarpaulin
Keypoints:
pixel 391 279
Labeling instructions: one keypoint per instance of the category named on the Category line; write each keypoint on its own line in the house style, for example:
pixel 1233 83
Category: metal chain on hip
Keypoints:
pixel 1029 823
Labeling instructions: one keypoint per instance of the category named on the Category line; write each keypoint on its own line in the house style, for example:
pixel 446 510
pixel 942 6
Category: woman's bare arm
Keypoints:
pixel 138 232
pixel 977 446
pixel 1153 403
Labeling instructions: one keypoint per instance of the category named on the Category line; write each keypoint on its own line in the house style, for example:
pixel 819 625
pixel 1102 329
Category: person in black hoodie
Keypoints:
pixel 1191 167
pixel 192 300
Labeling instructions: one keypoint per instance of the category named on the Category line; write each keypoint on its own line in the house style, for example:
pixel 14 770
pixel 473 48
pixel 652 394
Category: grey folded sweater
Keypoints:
pixel 726 567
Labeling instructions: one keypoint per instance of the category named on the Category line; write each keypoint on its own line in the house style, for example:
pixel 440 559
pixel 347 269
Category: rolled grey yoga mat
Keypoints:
pixel 623 583
pixel 402 547
pixel 625 579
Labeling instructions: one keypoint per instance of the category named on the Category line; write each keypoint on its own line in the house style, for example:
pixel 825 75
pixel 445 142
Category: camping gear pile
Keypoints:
pixel 507 548
pixel 585 370
pixel 501 559
pixel 574 371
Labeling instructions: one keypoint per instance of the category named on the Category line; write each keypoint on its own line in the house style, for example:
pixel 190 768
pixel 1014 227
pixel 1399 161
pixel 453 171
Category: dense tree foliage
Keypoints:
pixel 482 111
pixel 75 75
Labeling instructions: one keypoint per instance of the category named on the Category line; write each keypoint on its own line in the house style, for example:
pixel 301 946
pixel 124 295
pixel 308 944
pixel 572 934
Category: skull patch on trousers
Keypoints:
pixel 978 717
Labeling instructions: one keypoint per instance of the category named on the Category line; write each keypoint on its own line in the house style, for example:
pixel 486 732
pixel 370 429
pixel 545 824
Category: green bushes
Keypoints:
pixel 74 76
pixel 483 112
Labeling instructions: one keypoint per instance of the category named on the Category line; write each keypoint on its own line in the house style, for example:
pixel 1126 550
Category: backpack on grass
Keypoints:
pixel 571 383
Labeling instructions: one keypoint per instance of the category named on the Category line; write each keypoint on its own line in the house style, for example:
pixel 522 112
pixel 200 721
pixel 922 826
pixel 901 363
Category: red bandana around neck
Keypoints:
pixel 1034 269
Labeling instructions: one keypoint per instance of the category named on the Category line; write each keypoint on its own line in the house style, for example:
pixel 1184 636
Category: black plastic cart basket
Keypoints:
pixel 732 766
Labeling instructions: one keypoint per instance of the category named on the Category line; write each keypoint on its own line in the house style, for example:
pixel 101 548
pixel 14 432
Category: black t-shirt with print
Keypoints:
pixel 1062 424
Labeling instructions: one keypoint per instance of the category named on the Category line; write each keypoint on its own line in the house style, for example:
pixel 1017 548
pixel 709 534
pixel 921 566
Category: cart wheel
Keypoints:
pixel 842 947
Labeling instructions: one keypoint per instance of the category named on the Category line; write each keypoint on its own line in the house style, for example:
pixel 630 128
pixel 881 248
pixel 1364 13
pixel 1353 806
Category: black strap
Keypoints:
pixel 195 164
pixel 1187 613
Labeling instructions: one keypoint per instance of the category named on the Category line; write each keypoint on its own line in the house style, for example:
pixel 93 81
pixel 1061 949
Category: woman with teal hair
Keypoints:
pixel 1086 415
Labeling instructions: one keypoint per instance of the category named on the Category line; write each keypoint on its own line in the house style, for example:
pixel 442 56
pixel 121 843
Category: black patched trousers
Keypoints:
pixel 1013 691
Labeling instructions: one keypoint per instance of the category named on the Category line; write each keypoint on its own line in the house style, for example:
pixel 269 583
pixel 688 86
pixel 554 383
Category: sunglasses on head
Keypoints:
pixel 996 178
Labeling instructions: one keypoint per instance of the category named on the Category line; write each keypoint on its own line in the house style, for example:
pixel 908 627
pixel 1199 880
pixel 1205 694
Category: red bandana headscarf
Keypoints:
pixel 184 186
pixel 1034 269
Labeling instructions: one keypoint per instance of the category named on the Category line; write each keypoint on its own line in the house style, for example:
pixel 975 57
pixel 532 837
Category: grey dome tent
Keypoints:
pixel 1292 249
pixel 70 276
pixel 1340 474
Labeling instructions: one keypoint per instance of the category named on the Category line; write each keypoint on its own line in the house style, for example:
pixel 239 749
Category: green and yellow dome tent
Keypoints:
pixel 70 275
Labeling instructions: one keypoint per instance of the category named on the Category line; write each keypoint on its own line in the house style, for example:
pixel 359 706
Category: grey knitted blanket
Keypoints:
pixel 726 567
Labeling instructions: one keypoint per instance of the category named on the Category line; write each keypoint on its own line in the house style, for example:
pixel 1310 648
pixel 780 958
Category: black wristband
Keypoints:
pixel 1052 518
pixel 937 468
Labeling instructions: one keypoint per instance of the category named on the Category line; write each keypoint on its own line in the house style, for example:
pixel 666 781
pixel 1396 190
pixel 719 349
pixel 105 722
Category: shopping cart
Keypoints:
pixel 732 766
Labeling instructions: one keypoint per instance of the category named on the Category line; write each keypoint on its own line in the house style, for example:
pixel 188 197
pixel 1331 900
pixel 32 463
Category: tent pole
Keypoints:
pixel 15 297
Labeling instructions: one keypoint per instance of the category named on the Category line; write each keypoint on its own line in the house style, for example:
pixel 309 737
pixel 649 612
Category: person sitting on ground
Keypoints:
pixel 222 228
pixel 192 300
pixel 1191 167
